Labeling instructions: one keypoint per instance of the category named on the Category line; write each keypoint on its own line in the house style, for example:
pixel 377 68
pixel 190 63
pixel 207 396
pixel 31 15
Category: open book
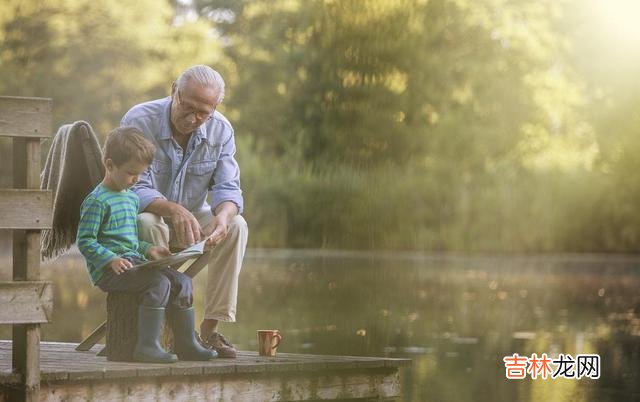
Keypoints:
pixel 188 253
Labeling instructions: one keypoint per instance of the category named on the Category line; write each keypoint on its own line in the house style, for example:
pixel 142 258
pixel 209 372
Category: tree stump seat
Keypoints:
pixel 122 321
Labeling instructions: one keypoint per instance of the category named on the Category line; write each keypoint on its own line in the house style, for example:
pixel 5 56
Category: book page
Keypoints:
pixel 188 253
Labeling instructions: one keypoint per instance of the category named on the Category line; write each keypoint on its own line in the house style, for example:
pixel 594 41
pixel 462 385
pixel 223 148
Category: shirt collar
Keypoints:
pixel 201 133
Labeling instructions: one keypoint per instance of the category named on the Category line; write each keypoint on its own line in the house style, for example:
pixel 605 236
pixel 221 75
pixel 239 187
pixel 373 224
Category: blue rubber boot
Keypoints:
pixel 148 349
pixel 184 338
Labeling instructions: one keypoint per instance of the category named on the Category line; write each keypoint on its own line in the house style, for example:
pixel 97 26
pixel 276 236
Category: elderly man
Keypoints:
pixel 195 158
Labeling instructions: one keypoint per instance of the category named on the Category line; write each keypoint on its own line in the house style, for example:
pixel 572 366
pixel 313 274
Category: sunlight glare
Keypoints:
pixel 620 19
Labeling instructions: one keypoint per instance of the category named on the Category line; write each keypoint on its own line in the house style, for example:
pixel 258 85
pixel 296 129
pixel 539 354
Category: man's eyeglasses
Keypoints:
pixel 199 115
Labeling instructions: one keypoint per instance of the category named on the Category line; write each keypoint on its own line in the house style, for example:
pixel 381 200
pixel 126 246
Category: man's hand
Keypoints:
pixel 185 225
pixel 157 252
pixel 119 265
pixel 216 231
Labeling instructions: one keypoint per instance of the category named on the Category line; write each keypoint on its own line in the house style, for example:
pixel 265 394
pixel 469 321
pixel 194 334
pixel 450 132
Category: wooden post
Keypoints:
pixel 27 120
pixel 26 267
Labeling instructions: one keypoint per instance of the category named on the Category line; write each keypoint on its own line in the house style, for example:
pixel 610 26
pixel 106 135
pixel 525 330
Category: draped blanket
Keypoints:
pixel 73 168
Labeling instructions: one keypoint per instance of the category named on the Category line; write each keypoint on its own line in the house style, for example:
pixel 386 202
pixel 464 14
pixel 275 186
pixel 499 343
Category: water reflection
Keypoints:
pixel 455 317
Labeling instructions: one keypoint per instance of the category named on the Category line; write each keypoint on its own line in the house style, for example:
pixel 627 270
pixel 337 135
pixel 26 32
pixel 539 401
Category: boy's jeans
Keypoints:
pixel 158 287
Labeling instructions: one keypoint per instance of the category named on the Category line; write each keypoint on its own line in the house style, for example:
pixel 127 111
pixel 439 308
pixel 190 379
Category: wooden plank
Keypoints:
pixel 19 146
pixel 26 254
pixel 33 163
pixel 25 117
pixel 31 369
pixel 263 387
pixel 26 163
pixel 123 371
pixel 25 209
pixel 89 373
pixel 55 353
pixel 250 368
pixel 54 376
pixel 9 377
pixel 59 361
pixel 184 381
pixel 26 302
pixel 185 368
pixel 26 361
pixel 26 265
pixel 93 338
pixel 218 369
pixel 154 370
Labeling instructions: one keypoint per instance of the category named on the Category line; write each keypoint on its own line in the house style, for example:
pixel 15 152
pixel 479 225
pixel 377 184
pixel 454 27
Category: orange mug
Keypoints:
pixel 268 341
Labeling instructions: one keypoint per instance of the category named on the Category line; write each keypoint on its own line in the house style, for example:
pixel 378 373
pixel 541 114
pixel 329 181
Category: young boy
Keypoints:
pixel 108 240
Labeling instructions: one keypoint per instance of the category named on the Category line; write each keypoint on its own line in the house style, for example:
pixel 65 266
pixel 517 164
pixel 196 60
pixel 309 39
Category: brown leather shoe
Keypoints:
pixel 219 343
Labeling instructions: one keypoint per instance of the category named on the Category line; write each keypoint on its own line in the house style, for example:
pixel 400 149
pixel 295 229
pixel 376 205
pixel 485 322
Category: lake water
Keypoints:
pixel 455 316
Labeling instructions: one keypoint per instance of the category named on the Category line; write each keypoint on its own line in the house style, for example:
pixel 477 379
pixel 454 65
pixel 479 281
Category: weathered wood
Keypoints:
pixel 19 146
pixel 26 302
pixel 122 321
pixel 32 160
pixel 348 385
pixel 26 243
pixel 34 306
pixel 93 338
pixel 102 352
pixel 25 117
pixel 69 375
pixel 26 255
pixel 25 209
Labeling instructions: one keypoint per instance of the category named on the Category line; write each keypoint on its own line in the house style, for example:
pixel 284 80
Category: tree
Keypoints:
pixel 96 59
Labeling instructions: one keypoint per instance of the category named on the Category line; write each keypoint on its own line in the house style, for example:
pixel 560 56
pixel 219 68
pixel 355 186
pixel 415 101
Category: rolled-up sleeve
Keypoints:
pixel 226 182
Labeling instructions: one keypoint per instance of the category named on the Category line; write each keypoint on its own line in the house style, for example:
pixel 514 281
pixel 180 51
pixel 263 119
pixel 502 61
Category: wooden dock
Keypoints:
pixel 34 371
pixel 68 375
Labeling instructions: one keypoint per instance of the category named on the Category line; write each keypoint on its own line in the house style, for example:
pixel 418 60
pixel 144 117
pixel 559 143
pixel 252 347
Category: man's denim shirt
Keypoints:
pixel 207 166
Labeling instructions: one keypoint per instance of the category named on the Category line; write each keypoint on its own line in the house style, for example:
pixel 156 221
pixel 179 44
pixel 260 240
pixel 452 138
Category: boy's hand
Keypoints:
pixel 157 252
pixel 119 265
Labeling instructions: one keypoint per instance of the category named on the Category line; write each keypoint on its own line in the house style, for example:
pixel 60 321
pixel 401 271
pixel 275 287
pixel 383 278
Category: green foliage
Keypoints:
pixel 403 124
pixel 95 59
pixel 361 83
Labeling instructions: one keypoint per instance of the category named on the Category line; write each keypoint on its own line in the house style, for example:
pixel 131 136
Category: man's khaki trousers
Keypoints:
pixel 223 268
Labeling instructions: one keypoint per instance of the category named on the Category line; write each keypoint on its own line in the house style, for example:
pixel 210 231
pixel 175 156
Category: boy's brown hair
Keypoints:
pixel 128 143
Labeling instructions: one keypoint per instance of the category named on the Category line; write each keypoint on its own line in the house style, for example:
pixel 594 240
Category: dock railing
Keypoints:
pixel 26 301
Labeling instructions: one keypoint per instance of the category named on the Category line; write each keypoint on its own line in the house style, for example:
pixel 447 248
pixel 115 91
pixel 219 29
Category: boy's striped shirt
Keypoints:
pixel 108 229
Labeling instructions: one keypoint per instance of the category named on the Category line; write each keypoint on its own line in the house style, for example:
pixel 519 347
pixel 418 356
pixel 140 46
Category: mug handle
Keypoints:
pixel 279 337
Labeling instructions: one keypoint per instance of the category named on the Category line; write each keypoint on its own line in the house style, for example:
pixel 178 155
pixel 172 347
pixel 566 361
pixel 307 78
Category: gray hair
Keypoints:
pixel 205 76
